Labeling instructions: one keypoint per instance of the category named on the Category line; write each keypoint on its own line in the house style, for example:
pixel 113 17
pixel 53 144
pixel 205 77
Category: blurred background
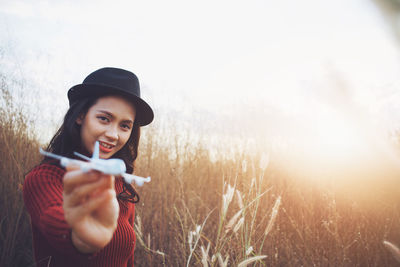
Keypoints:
pixel 309 89
pixel 293 78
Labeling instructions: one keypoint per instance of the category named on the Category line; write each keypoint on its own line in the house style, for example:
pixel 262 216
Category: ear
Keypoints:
pixel 80 118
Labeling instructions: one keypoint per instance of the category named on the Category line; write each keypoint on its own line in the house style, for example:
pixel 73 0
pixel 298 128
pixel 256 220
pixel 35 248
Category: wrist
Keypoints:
pixel 80 245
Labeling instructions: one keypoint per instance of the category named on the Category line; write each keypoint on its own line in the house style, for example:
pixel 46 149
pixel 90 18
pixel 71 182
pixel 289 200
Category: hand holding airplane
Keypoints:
pixel 107 166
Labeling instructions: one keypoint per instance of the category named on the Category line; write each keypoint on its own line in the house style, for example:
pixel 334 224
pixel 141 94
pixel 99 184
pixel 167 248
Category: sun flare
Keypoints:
pixel 336 139
pixel 339 144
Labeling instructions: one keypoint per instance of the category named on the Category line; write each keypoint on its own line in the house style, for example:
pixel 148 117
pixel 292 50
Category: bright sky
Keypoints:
pixel 281 72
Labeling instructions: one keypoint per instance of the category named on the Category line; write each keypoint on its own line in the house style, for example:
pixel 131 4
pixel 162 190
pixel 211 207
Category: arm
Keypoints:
pixel 43 200
pixel 76 212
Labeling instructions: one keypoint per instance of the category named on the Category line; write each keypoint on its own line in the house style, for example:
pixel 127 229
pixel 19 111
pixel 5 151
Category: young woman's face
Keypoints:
pixel 108 121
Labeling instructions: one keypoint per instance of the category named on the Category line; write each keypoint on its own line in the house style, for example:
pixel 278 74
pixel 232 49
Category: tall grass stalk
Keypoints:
pixel 197 235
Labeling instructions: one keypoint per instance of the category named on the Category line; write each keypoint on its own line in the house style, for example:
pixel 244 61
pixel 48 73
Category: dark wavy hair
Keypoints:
pixel 68 139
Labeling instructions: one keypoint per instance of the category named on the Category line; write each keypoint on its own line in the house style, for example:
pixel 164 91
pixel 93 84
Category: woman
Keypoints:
pixel 86 218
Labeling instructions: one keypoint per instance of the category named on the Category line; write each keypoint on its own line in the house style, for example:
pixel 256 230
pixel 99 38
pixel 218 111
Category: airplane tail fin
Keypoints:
pixel 96 150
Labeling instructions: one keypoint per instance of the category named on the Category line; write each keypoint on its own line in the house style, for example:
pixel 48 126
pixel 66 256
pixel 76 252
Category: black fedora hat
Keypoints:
pixel 109 81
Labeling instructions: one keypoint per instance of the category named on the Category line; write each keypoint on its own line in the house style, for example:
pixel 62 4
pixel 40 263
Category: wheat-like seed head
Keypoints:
pixel 251 260
pixel 274 214
pixel 204 255
pixel 227 198
pixel 249 250
pixel 232 221
pixel 239 199
pixel 238 225
pixel 221 262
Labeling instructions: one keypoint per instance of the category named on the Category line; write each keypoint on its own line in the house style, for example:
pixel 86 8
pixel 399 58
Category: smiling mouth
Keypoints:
pixel 105 147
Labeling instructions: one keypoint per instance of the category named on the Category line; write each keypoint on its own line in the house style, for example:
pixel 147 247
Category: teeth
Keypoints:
pixel 105 145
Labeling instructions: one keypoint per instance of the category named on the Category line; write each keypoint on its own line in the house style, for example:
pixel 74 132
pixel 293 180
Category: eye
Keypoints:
pixel 126 126
pixel 103 118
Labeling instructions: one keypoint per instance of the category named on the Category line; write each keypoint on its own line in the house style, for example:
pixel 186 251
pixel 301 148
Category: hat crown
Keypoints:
pixel 116 78
pixel 110 81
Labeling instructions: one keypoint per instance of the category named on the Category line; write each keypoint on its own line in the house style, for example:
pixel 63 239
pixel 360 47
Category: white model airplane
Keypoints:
pixel 108 166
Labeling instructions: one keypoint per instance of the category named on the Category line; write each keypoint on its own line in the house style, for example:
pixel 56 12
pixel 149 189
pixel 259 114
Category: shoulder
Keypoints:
pixel 46 169
pixel 45 173
pixel 44 184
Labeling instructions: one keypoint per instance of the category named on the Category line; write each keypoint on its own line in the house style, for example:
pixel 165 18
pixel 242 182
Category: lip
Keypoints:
pixel 105 149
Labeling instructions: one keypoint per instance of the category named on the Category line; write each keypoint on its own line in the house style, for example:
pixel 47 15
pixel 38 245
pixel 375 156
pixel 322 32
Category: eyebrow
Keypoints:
pixel 112 116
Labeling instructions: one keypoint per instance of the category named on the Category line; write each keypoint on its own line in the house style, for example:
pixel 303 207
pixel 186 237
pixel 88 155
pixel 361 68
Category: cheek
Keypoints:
pixel 124 137
pixel 89 131
pixel 93 127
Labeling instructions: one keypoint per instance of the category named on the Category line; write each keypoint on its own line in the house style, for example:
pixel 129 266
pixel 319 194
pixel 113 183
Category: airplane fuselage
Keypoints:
pixel 109 166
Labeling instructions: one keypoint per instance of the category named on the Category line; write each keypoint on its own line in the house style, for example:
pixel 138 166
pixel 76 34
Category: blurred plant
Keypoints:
pixel 391 12
pixel 18 149
pixel 393 249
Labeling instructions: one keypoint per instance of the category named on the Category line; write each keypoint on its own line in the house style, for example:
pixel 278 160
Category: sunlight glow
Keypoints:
pixel 337 138
pixel 336 141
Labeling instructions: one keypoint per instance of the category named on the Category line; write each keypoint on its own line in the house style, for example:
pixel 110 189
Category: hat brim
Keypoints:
pixel 144 113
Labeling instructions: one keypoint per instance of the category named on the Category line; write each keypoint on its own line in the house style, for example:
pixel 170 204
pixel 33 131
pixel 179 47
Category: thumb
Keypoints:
pixel 73 166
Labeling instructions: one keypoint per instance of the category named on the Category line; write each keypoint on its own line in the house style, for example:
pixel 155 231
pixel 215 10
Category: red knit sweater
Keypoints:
pixel 52 242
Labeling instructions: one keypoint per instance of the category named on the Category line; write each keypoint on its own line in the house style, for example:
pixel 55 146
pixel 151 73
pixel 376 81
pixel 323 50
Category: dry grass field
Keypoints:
pixel 18 154
pixel 236 210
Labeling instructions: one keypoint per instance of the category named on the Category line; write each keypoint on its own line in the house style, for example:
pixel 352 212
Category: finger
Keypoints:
pixel 110 180
pixel 76 216
pixel 77 213
pixel 109 183
pixel 83 192
pixel 96 202
pixel 72 166
pixel 75 178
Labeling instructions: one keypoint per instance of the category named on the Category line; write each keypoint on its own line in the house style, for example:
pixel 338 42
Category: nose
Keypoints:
pixel 112 133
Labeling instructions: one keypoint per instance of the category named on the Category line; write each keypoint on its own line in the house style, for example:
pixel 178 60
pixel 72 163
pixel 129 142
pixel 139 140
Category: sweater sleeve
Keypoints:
pixel 132 223
pixel 43 197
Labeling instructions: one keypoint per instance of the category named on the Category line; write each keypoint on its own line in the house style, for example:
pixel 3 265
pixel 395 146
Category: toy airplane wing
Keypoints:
pixel 95 153
pixel 129 178
pixel 64 161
